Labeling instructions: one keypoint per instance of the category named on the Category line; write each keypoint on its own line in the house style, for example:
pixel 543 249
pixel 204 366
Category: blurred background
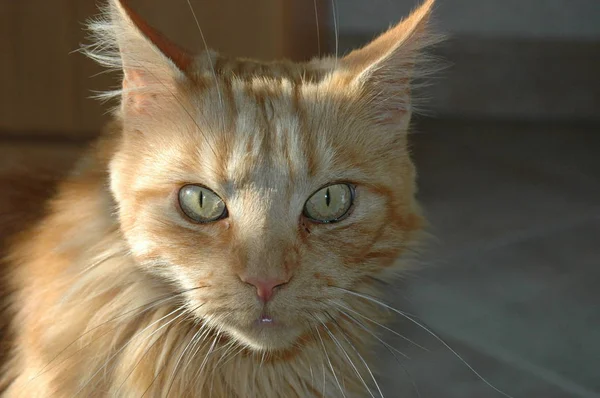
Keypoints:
pixel 508 150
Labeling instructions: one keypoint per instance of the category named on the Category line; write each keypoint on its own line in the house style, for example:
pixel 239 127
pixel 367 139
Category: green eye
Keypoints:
pixel 201 204
pixel 329 204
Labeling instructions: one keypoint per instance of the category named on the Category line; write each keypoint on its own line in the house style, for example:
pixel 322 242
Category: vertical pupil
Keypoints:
pixel 327 197
pixel 201 198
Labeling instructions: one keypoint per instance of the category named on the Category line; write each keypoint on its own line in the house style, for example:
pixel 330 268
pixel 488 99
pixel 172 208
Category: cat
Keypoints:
pixel 224 236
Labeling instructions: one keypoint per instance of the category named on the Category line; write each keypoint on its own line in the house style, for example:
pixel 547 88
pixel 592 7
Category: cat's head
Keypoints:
pixel 267 188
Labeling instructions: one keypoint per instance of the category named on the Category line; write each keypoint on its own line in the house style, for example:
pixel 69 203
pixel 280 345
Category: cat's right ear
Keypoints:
pixel 151 64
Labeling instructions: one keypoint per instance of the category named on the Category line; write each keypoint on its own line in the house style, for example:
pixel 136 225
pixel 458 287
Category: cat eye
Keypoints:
pixel 329 204
pixel 201 204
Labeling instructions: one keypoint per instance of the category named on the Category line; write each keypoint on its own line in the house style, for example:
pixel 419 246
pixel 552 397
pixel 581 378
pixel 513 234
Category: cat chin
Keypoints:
pixel 266 337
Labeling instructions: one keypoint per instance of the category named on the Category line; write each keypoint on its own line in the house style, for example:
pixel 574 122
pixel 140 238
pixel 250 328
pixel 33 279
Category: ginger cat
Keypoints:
pixel 222 238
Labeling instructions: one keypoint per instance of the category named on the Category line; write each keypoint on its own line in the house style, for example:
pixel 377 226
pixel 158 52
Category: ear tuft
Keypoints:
pixel 122 40
pixel 386 66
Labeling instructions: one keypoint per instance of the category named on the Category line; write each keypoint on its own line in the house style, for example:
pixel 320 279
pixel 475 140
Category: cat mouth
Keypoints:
pixel 266 323
pixel 266 320
pixel 267 332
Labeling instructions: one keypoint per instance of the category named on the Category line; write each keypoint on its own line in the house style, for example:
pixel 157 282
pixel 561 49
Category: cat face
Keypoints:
pixel 264 191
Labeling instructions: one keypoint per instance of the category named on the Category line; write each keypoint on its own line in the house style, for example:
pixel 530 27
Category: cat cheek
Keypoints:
pixel 326 279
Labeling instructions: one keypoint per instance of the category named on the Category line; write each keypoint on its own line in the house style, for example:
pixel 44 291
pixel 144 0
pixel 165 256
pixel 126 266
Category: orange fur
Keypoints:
pixel 117 294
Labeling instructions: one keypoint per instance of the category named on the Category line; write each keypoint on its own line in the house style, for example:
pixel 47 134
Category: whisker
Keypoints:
pixel 146 352
pixel 318 30
pixel 229 348
pixel 324 378
pixel 336 30
pixel 262 359
pixel 180 309
pixel 179 360
pixel 384 327
pixel 205 331
pixel 208 353
pixel 150 305
pixel 156 340
pixel 143 355
pixel 366 329
pixel 196 348
pixel 344 335
pixel 431 333
pixel 329 361
pixel 233 353
pixel 390 349
pixel 210 61
pixel 339 345
pixel 164 364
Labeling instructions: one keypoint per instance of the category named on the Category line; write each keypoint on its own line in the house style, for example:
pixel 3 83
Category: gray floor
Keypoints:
pixel 512 279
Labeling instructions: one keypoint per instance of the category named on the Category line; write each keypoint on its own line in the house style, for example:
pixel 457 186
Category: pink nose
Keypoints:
pixel 264 287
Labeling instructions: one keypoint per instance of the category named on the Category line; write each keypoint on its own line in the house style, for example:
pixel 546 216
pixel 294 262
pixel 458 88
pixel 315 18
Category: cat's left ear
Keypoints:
pixel 385 67
pixel 151 63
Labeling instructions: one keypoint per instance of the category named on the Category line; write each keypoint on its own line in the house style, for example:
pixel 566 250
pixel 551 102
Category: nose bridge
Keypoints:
pixel 268 255
pixel 266 232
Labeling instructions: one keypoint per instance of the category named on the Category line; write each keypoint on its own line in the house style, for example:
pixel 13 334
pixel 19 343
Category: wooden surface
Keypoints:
pixel 46 89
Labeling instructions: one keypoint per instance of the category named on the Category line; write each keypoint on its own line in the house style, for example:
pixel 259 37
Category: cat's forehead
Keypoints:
pixel 268 126
pixel 270 134
pixel 246 69
pixel 266 122
pixel 249 91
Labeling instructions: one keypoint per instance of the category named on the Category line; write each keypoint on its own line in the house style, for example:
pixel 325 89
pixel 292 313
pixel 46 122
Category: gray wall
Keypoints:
pixel 568 19
pixel 507 59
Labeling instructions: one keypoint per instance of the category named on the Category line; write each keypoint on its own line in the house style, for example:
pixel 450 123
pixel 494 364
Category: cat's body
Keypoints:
pixel 116 293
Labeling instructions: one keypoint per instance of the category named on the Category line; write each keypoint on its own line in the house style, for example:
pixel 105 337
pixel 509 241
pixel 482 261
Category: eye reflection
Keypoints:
pixel 201 204
pixel 330 203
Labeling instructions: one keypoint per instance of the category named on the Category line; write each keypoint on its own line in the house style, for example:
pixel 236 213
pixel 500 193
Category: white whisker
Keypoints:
pixel 156 340
pixel 210 350
pixel 336 30
pixel 201 340
pixel 180 309
pixel 143 356
pixel 210 61
pixel 131 313
pixel 165 363
pixel 339 345
pixel 389 347
pixel 229 348
pixel 329 361
pixel 359 356
pixel 384 327
pixel 318 30
pixel 187 347
pixel 359 323
pixel 431 333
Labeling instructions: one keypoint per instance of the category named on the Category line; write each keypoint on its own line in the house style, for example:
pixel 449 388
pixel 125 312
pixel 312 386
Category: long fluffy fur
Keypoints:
pixel 117 294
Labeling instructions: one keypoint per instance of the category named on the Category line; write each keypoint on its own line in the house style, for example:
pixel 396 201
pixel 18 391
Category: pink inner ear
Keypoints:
pixel 136 101
pixel 181 58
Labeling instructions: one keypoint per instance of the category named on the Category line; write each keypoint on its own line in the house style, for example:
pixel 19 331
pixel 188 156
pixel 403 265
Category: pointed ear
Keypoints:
pixel 151 63
pixel 385 67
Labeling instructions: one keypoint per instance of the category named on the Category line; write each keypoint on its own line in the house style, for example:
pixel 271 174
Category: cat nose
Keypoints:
pixel 264 287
